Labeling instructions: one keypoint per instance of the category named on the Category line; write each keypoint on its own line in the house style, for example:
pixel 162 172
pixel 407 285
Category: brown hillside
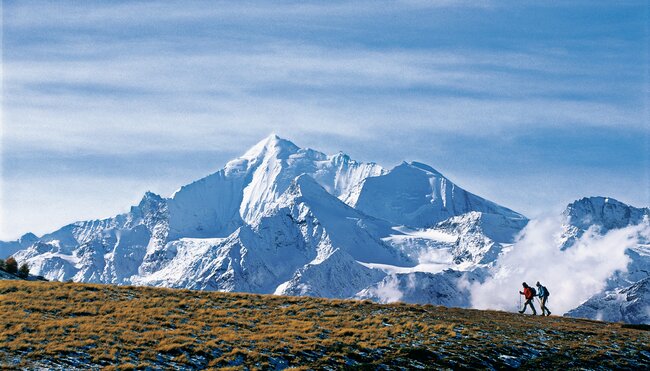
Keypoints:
pixel 58 325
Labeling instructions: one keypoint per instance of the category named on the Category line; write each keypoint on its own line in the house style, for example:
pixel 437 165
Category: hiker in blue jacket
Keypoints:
pixel 543 294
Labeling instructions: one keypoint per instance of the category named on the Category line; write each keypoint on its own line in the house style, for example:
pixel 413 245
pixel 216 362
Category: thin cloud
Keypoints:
pixel 304 89
pixel 40 14
pixel 313 66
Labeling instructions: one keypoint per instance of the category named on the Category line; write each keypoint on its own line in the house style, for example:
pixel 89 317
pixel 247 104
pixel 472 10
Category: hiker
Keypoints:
pixel 529 294
pixel 543 294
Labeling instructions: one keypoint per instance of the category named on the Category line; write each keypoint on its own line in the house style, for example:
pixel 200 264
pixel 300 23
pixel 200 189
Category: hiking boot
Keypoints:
pixel 521 311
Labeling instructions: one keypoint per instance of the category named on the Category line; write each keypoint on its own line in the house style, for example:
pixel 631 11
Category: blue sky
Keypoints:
pixel 530 105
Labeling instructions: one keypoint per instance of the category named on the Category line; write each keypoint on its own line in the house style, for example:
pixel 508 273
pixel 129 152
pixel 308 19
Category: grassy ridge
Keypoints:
pixel 48 324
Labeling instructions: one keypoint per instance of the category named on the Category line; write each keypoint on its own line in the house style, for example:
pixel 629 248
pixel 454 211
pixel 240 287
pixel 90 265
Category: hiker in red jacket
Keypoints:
pixel 529 294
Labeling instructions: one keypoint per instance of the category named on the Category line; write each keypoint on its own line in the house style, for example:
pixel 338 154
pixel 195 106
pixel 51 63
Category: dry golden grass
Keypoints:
pixel 62 325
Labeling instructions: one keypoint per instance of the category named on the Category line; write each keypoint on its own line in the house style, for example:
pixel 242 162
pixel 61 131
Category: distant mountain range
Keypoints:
pixel 286 220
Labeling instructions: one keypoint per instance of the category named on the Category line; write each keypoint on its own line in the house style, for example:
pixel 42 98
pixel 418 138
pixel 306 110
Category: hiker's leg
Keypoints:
pixel 532 306
pixel 529 302
pixel 548 312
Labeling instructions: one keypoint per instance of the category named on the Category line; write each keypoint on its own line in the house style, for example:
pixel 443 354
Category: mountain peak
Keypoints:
pixel 150 197
pixel 417 166
pixel 272 144
pixel 605 212
pixel 275 140
pixel 417 195
pixel 27 239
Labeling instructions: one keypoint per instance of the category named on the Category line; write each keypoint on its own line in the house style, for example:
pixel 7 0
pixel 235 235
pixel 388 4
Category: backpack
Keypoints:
pixel 546 293
pixel 532 291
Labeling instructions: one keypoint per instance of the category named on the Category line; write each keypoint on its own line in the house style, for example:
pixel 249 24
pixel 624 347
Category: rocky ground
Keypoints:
pixel 82 326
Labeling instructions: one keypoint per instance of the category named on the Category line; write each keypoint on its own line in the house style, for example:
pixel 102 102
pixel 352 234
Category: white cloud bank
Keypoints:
pixel 572 275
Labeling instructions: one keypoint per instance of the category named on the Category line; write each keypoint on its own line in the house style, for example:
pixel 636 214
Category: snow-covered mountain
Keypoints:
pixel 279 219
pixel 602 213
pixel 135 244
pixel 287 220
pixel 416 195
pixel 267 222
pixel 218 204
pixel 626 296
pixel 629 304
